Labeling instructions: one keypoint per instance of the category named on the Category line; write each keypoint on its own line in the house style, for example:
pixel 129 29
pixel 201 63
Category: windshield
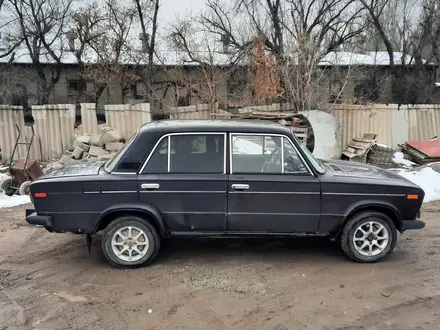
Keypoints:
pixel 317 164
pixel 111 163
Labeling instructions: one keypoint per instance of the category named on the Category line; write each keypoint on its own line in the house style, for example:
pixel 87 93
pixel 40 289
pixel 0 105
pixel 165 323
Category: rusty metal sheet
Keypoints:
pixel 429 148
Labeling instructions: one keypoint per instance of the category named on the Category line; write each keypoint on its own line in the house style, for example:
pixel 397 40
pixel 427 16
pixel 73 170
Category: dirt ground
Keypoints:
pixel 48 281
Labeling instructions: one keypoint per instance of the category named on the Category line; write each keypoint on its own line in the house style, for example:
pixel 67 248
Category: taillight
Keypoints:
pixel 40 195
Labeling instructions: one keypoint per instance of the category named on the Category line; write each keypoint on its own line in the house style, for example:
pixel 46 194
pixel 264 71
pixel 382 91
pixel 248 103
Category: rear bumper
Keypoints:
pixel 35 219
pixel 412 224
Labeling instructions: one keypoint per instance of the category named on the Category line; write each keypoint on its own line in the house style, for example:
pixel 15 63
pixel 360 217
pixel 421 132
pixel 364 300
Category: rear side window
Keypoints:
pixel 188 153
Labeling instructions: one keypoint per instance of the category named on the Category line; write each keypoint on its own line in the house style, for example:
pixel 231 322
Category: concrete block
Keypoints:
pixel 77 153
pixel 66 159
pixel 111 135
pixel 79 144
pixel 113 146
pixel 83 138
pixel 96 151
pixel 95 140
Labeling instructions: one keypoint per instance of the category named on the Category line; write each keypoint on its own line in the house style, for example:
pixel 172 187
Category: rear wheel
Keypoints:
pixel 7 186
pixel 130 242
pixel 368 237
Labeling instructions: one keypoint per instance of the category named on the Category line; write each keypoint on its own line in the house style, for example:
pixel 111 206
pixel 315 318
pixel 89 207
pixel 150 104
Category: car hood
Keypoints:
pixel 352 169
pixel 76 169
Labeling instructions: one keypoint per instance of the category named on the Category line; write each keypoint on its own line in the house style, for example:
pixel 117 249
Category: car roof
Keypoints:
pixel 239 126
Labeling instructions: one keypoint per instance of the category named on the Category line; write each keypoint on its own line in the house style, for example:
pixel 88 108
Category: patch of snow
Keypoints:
pixel 427 179
pixel 6 201
pixel 368 58
pixel 382 145
pixel 398 158
pixel 3 176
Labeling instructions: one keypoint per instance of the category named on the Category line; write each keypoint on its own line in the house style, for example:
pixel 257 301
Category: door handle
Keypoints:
pixel 240 186
pixel 150 186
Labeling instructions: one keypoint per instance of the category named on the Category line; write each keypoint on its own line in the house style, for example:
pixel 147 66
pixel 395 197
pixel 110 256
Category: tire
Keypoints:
pixel 24 188
pixel 113 234
pixel 360 223
pixel 7 186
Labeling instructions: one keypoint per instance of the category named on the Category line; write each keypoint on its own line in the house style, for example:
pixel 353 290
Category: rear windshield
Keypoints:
pixel 111 163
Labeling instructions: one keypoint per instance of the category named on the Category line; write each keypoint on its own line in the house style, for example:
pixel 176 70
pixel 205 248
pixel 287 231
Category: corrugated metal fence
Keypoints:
pixel 393 124
pixel 54 131
pixel 199 111
pixel 127 117
pixel 54 125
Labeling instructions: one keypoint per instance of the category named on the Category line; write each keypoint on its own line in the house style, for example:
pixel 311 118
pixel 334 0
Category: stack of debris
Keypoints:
pixel 97 146
pixel 295 121
pixel 358 148
pixel 423 152
pixel 284 117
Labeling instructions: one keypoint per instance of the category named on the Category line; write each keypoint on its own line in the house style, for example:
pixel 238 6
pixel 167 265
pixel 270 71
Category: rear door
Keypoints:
pixel 184 177
pixel 271 189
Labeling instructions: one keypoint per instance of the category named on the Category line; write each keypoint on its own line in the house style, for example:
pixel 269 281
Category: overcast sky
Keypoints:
pixel 170 8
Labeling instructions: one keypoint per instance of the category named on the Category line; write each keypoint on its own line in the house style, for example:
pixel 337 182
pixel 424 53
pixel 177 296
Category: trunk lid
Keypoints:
pixel 76 169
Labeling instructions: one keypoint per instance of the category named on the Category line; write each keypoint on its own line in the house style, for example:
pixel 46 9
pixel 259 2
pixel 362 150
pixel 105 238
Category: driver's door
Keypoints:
pixel 270 189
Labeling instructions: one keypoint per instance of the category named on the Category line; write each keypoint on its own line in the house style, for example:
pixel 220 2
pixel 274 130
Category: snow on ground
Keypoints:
pixel 427 179
pixel 3 176
pixel 6 201
pixel 398 158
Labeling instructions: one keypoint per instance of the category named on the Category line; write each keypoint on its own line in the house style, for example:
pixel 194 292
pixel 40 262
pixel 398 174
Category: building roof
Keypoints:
pixel 379 58
pixel 178 58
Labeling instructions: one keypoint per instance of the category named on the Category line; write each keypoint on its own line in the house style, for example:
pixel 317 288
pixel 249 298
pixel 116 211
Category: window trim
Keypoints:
pixel 168 136
pixel 231 147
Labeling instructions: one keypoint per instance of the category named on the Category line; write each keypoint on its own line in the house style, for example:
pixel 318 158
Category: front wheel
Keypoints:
pixel 130 242
pixel 368 237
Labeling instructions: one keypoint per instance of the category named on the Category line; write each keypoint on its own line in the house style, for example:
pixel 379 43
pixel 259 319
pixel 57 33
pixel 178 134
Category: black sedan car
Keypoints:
pixel 224 178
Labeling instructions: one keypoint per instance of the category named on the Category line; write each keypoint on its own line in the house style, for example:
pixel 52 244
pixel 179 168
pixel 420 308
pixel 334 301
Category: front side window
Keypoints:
pixel 188 153
pixel 253 154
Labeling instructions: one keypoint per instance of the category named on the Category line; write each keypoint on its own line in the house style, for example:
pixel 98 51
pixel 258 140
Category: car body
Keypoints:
pixel 224 178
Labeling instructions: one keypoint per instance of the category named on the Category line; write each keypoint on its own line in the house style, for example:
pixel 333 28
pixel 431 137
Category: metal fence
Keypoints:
pixel 54 123
pixel 393 124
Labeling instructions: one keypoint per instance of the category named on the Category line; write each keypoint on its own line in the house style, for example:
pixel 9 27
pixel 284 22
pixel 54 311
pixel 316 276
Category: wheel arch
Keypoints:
pixel 373 206
pixel 146 211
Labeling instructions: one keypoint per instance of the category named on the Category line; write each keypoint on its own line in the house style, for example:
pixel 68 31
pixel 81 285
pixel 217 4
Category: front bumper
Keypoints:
pixel 412 224
pixel 33 218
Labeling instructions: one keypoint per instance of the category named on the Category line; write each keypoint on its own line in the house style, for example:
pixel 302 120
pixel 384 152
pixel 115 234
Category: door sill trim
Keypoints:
pixel 243 234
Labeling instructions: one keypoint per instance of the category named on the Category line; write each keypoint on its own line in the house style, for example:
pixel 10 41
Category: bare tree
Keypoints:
pixel 210 66
pixel 405 28
pixel 37 25
pixel 298 33
pixel 88 30
pixel 111 43
pixel 147 12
